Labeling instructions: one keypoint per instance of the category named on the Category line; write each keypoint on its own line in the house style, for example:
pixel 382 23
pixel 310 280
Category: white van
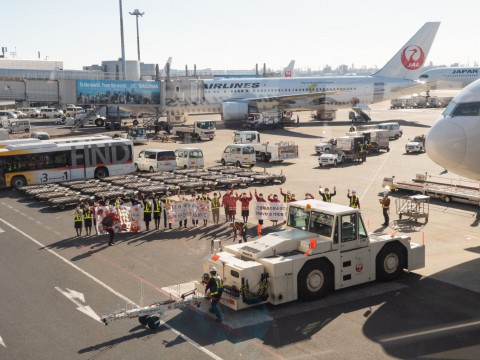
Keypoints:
pixel 16 125
pixel 156 160
pixel 8 114
pixel 189 158
pixel 239 154
pixel 40 135
pixel 73 111
pixel 31 112
pixel 50 113
pixel 393 128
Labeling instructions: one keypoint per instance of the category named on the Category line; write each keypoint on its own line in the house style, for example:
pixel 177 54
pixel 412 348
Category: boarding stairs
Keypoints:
pixel 90 115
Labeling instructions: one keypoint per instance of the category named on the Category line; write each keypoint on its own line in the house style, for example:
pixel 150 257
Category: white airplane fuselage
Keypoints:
pixel 450 77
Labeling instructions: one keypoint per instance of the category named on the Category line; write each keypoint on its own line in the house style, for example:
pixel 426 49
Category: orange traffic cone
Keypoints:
pixel 259 230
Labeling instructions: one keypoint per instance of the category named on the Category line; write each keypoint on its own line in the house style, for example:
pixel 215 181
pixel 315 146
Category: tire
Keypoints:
pixel 44 116
pixel 98 123
pixel 151 169
pixel 18 181
pixel 263 157
pixel 101 173
pixel 135 122
pixel 143 320
pixel 137 169
pixel 62 207
pixel 223 162
pixel 116 126
pixel 390 262
pixel 447 199
pixel 265 182
pixel 314 280
pixel 334 162
pixel 184 166
pixel 407 151
pixel 388 149
pixel 153 322
pixel 27 130
pixel 396 136
pixel 237 164
pixel 68 114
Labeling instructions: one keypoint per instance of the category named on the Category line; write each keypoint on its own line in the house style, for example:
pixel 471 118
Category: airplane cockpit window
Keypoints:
pixel 467 109
pixel 449 109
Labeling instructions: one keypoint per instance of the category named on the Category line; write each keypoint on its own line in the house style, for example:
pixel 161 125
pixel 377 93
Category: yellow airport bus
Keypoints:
pixel 50 161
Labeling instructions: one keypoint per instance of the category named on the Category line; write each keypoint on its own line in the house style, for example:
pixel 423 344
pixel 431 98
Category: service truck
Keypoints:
pixel 266 151
pixel 199 130
pixel 415 145
pixel 331 157
pixel 269 120
pixel 375 139
pixel 325 247
pixel 138 134
pixel 353 147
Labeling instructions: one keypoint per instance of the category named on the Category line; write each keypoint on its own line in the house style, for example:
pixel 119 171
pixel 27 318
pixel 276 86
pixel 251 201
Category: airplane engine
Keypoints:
pixel 234 111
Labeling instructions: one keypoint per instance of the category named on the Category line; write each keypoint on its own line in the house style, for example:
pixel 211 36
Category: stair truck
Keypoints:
pixel 266 151
pixel 200 130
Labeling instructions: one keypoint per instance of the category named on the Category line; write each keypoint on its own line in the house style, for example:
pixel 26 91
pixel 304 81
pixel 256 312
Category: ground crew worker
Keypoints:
pixel 240 228
pixel 274 199
pixel 286 197
pixel 87 219
pixel 215 285
pixel 118 202
pixel 363 153
pixel 166 201
pixel 78 220
pixel 245 201
pixel 354 201
pixel 259 199
pixel 309 196
pixel 215 205
pixel 204 197
pixel 109 228
pixel 385 202
pixel 326 195
pixel 182 198
pixel 147 212
pixel 157 209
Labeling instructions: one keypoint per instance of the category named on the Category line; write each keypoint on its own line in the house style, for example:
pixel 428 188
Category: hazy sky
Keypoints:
pixel 232 34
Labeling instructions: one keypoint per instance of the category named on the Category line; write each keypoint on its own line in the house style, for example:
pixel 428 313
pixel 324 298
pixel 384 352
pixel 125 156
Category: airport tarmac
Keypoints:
pixel 432 313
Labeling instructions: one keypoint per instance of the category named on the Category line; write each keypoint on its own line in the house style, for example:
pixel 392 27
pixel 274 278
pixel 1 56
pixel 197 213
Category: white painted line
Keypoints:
pixel 105 286
pixel 2 342
pixel 375 176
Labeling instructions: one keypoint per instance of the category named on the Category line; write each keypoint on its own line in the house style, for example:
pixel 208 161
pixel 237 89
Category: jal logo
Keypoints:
pixel 288 74
pixel 413 57
pixel 359 267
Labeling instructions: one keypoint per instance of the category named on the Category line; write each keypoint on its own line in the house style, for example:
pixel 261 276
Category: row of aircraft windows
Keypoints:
pixel 277 90
pixel 457 75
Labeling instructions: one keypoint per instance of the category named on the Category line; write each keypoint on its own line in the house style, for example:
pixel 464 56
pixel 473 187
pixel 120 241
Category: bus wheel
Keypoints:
pixel 18 181
pixel 101 173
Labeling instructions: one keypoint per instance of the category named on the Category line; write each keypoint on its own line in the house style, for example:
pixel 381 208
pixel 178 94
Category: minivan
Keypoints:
pixel 16 125
pixel 50 113
pixel 73 111
pixel 40 135
pixel 239 154
pixel 393 128
pixel 31 112
pixel 156 160
pixel 189 158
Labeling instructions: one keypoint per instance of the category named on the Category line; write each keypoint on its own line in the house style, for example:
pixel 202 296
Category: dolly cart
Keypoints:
pixel 413 207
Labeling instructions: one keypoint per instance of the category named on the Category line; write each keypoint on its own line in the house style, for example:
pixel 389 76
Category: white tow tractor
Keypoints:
pixel 415 145
pixel 326 248
pixel 138 134
pixel 266 151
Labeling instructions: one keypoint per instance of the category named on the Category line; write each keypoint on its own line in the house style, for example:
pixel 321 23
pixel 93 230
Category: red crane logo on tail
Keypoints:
pixel 413 57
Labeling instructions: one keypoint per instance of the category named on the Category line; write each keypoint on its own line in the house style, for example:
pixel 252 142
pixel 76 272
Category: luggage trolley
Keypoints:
pixel 413 207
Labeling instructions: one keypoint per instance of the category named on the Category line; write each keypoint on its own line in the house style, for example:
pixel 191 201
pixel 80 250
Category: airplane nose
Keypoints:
pixel 446 143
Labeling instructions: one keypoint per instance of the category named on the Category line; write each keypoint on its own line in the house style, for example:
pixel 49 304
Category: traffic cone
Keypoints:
pixel 259 230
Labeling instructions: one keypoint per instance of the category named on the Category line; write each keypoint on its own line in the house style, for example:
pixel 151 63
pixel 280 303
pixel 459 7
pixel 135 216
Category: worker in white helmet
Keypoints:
pixel 215 285
pixel 354 201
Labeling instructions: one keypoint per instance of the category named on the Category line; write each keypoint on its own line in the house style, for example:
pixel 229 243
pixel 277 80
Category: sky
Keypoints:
pixel 237 34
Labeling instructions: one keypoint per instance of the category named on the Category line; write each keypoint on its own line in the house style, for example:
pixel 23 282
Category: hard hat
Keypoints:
pixel 213 269
pixel 289 191
pixel 354 191
pixel 385 193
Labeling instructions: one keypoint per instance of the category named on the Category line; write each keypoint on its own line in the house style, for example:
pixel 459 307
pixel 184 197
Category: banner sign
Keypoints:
pixel 118 92
pixel 130 218
pixel 270 211
pixel 181 210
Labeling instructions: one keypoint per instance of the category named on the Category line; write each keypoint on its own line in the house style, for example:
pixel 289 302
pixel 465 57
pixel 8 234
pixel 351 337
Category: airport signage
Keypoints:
pixel 118 92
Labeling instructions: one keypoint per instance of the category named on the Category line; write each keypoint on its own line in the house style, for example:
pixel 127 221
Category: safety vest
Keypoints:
pixel 353 201
pixel 87 214
pixel 147 208
pixel 217 292
pixel 386 206
pixel 328 197
pixel 215 203
pixel 78 217
pixel 118 202
pixel 156 206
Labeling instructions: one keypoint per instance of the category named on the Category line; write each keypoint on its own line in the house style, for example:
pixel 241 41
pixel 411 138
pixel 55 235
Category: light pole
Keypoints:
pixel 124 64
pixel 137 13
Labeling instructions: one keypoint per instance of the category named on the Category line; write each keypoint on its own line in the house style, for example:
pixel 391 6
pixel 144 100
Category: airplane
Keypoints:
pixel 166 68
pixel 452 141
pixel 450 77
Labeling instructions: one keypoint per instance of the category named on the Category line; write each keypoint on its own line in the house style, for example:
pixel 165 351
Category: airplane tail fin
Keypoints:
pixel 166 69
pixel 288 71
pixel 408 61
